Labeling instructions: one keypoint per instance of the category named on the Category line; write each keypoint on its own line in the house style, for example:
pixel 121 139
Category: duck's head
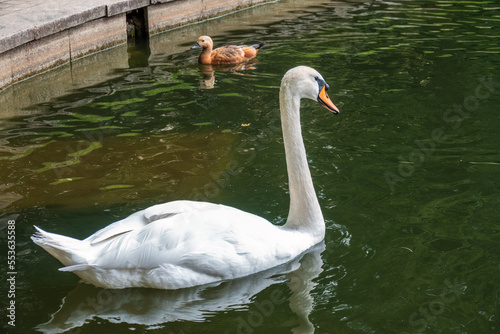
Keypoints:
pixel 204 42
pixel 308 83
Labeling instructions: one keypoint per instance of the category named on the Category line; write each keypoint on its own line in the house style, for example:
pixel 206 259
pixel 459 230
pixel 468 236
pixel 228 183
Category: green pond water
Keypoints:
pixel 407 175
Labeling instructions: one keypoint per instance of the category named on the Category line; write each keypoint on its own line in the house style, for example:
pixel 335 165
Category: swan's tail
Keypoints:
pixel 68 251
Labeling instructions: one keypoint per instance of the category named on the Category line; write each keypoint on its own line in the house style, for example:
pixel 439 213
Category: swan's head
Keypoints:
pixel 306 82
pixel 204 42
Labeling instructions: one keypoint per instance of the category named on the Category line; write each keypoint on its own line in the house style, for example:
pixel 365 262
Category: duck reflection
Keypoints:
pixel 151 307
pixel 208 72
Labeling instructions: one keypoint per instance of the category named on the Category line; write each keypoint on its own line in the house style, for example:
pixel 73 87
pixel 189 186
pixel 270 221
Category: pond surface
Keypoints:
pixel 407 175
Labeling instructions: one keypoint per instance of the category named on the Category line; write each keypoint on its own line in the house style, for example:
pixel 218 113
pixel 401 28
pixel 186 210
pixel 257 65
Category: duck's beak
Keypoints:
pixel 325 101
pixel 195 46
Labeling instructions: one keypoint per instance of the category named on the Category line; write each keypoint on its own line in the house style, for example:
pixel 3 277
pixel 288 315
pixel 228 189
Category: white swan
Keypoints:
pixel 185 243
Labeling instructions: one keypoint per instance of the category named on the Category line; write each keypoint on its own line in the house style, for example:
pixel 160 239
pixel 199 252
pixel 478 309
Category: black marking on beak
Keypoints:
pixel 323 98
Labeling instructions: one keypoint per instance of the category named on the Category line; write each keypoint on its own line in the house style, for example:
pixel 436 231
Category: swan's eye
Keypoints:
pixel 203 41
pixel 321 83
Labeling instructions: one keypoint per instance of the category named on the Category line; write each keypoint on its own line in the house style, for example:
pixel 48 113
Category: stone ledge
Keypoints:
pixel 91 37
pixel 123 6
pixel 51 16
pixel 153 2
pixel 38 22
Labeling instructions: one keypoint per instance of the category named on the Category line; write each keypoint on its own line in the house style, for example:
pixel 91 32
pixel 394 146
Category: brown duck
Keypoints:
pixel 229 54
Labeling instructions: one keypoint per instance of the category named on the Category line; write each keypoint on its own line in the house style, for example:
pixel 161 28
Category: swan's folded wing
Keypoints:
pixel 165 210
pixel 132 222
pixel 215 240
pixel 144 248
pixel 144 217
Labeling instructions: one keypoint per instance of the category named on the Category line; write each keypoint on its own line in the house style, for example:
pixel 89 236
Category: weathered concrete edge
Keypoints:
pixel 22 29
pixel 174 13
pixel 17 63
pixel 52 51
pixel 125 6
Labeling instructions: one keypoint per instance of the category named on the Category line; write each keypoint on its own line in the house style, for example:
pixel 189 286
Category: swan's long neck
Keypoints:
pixel 305 212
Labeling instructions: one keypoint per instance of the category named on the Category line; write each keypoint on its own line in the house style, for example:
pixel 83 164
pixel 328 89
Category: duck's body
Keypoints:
pixel 185 243
pixel 224 55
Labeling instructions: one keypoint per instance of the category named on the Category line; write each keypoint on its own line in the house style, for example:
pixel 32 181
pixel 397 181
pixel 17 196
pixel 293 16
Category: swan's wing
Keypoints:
pixel 132 222
pixel 141 218
pixel 213 240
pixel 165 210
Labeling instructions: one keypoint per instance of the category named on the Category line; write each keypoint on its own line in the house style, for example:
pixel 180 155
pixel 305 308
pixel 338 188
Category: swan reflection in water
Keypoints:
pixel 151 307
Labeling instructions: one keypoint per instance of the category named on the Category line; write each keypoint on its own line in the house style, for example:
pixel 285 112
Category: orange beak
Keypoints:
pixel 325 101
